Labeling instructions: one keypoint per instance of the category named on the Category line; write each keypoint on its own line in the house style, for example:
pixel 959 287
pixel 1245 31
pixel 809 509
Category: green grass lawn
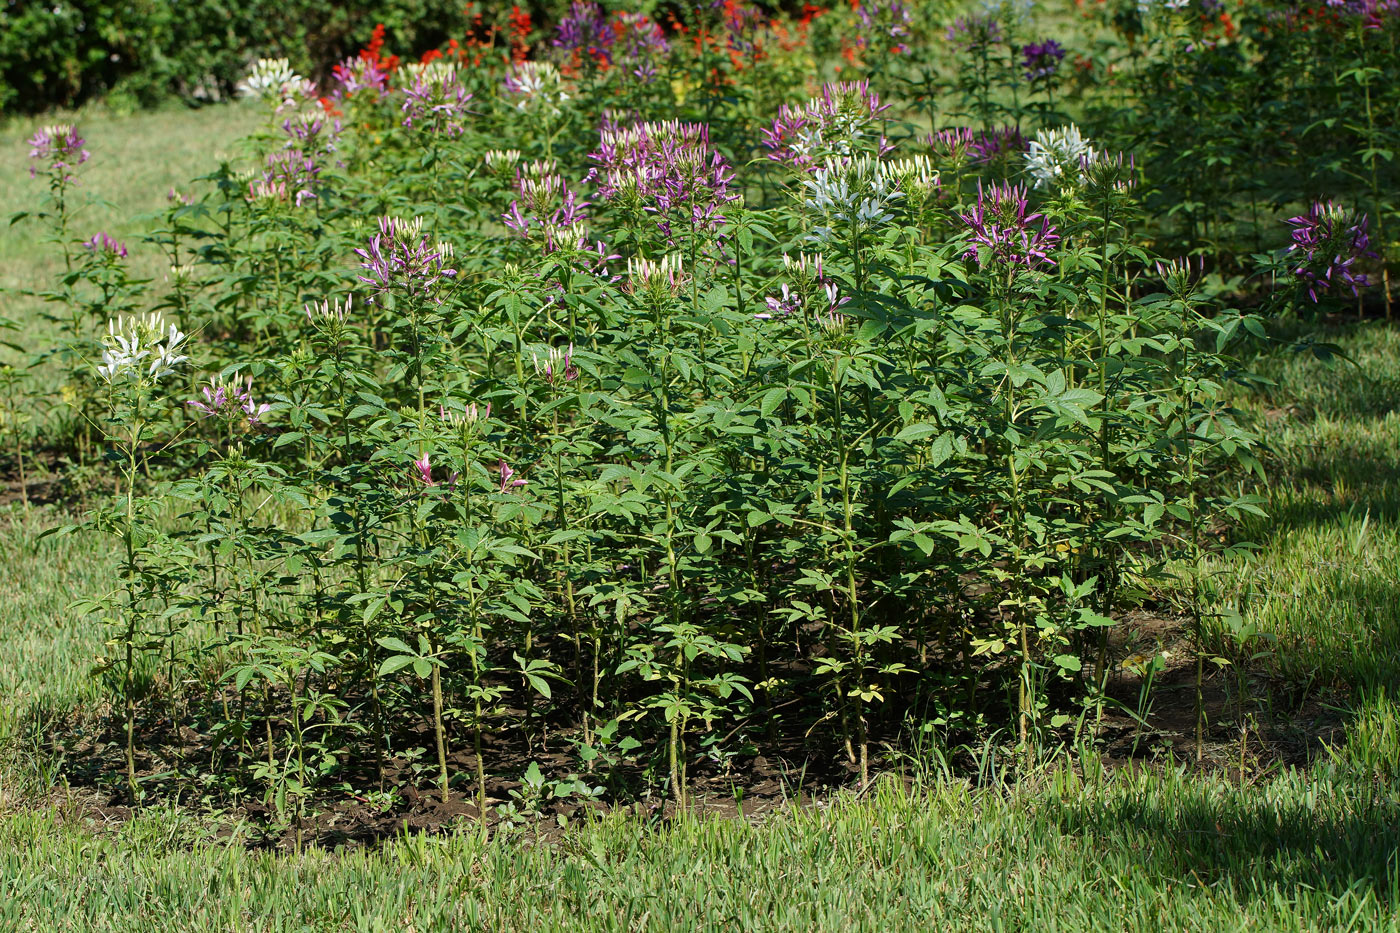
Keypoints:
pixel 1072 847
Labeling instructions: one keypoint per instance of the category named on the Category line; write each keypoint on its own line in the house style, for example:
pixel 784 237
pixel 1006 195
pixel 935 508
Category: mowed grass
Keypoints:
pixel 135 161
pixel 1138 853
pixel 1068 848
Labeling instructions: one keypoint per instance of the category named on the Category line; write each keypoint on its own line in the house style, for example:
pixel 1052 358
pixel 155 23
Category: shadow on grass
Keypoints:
pixel 1292 836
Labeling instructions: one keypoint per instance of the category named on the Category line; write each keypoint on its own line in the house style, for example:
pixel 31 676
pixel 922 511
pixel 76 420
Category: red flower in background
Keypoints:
pixel 520 29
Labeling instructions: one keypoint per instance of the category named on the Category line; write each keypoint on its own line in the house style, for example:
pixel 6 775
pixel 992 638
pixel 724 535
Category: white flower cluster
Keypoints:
pixel 855 193
pixel 656 278
pixel 436 72
pixel 536 85
pixel 1145 7
pixel 1057 157
pixel 142 350
pixel 274 81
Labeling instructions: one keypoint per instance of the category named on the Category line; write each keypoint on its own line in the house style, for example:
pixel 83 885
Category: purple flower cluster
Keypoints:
pixel 951 147
pixel 290 175
pixel 1328 242
pixel 400 259
pixel 104 246
pixel 632 40
pixel 1004 233
pixel 437 103
pixel 975 33
pixel 1372 13
pixel 838 122
pixel 359 74
pixel 884 25
pixel 545 206
pixel 232 403
pixel 59 149
pixel 667 169
pixel 1042 59
pixel 814 290
pixel 638 44
pixel 584 29
pixel 312 132
pixel 993 144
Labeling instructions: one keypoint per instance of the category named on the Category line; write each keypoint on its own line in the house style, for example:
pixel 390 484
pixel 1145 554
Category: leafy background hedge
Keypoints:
pixel 59 53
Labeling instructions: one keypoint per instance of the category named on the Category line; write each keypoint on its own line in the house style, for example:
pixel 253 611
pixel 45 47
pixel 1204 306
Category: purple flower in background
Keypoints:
pixel 1329 242
pixel 1371 12
pixel 884 24
pixel 952 146
pixel 584 29
pixel 840 122
pixel 990 145
pixel 311 132
pixel 639 43
pixel 400 259
pixel 102 244
pixel 60 149
pixel 290 175
pixel 1042 59
pixel 359 74
pixel 789 140
pixel 974 33
pixel 437 102
pixel 1003 233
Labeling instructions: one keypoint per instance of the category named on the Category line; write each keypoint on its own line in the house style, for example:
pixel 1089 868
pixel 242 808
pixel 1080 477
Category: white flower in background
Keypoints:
pixel 140 349
pixel 535 84
pixel 1145 7
pixel 1057 157
pixel 268 77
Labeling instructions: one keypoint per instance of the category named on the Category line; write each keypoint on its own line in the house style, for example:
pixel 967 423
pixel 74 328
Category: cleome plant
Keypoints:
pixel 620 399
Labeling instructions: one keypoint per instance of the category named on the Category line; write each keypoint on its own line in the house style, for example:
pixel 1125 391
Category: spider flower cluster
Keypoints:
pixel 312 132
pixel 230 402
pixel 665 169
pixel 1005 233
pixel 141 350
pixel 991 145
pixel 1056 158
pixel 842 121
pixel 975 33
pixel 656 280
pixel 535 86
pixel 545 208
pixel 400 259
pixel 1041 60
pixel 884 24
pixel 811 290
pixel 557 365
pixel 436 101
pixel 853 196
pixel 274 81
pixel 104 246
pixel 57 150
pixel 1327 244
pixel 289 176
